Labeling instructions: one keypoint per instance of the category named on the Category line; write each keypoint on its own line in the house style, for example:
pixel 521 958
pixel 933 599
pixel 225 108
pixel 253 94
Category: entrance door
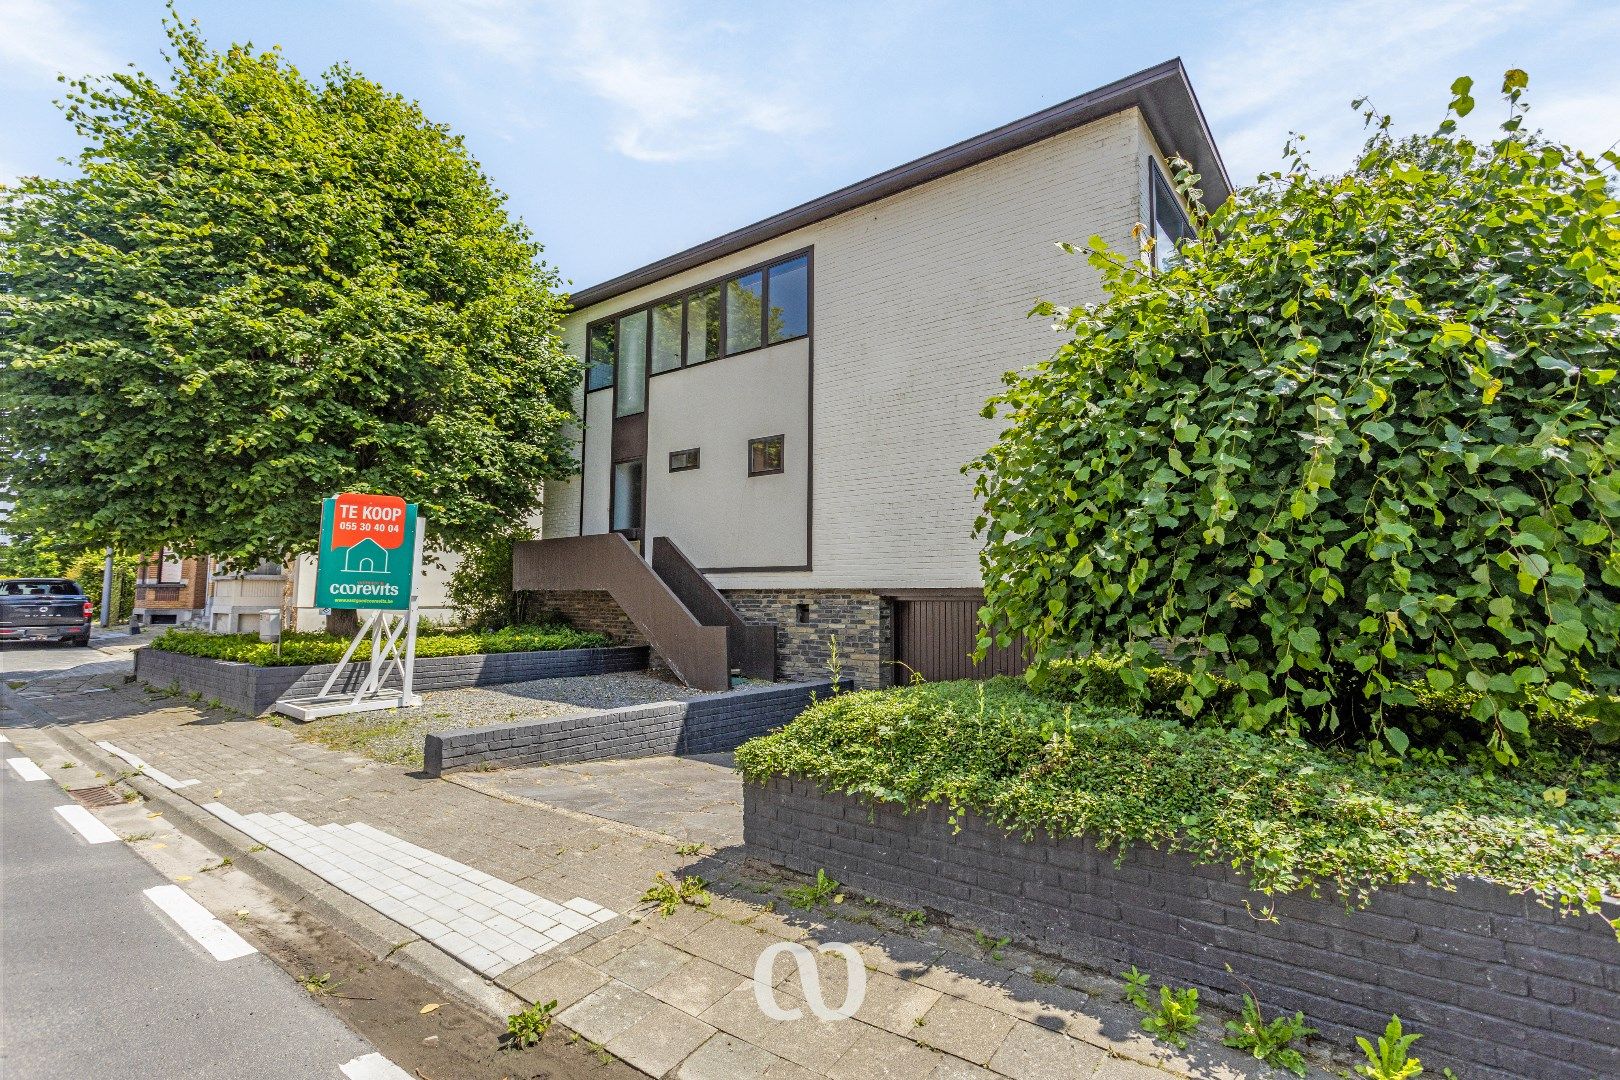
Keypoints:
pixel 934 635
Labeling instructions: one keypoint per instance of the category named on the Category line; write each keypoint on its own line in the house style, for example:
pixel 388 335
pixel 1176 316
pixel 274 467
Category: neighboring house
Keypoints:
pixel 791 404
pixel 171 591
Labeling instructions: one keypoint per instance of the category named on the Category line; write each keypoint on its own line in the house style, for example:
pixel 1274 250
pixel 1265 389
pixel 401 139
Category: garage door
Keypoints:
pixel 934 637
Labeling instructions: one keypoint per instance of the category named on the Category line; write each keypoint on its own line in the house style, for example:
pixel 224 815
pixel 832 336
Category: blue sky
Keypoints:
pixel 624 130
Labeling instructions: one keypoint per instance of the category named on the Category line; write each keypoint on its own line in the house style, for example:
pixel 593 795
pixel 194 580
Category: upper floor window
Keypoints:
pixel 764 305
pixel 1170 225
pixel 599 358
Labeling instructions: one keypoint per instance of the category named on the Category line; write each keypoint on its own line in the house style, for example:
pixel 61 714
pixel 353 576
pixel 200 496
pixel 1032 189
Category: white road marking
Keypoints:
pixel 220 940
pixel 26 769
pixel 373 1067
pixel 3 739
pixel 161 777
pixel 87 824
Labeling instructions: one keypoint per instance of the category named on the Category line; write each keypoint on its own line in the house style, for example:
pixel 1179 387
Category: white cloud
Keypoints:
pixel 44 38
pixel 1296 67
pixel 671 80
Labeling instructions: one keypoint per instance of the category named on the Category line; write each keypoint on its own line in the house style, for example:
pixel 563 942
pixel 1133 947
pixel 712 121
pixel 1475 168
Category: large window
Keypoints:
pixel 632 376
pixel 703 325
pixel 1170 225
pixel 745 299
pixel 599 358
pixel 789 293
pixel 764 305
pixel 627 479
pixel 666 336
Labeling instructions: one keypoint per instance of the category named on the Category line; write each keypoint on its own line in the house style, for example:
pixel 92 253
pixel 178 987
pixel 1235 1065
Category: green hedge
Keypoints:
pixel 299 649
pixel 1290 815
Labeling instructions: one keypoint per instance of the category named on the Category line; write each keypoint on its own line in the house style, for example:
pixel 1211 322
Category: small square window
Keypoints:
pixel 765 455
pixel 682 460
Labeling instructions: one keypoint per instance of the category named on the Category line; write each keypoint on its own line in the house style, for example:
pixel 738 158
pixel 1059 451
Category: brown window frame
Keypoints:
pixel 697 462
pixel 781 457
pixel 685 297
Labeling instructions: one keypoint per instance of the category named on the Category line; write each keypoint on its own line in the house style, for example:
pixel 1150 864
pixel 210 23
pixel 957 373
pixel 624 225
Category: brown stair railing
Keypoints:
pixel 751 647
pixel 698 651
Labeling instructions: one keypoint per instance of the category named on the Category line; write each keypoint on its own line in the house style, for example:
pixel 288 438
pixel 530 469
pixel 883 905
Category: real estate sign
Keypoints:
pixel 368 552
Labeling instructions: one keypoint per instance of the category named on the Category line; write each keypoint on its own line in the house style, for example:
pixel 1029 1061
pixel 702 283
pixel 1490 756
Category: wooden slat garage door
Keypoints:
pixel 934 637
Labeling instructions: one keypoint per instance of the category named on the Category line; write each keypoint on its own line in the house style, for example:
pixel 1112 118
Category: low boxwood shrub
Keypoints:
pixel 1290 815
pixel 297 649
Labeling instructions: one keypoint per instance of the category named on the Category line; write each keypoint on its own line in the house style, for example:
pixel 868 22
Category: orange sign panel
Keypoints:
pixel 378 518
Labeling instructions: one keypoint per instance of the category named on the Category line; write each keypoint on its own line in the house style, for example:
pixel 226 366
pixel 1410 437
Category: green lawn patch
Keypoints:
pixel 1289 815
pixel 328 648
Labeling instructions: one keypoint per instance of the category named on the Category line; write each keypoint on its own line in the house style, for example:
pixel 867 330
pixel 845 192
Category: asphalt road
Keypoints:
pixel 98 982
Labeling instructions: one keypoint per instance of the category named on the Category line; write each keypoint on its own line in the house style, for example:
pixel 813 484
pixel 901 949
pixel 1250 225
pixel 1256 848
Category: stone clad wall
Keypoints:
pixel 252 690
pixel 594 612
pixel 858 620
pixel 1501 987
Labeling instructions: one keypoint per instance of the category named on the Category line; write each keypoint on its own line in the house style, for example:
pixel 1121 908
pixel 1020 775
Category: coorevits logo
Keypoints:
pixel 809 980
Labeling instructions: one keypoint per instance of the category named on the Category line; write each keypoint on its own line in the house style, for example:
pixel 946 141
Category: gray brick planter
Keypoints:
pixel 704 725
pixel 1501 987
pixel 252 690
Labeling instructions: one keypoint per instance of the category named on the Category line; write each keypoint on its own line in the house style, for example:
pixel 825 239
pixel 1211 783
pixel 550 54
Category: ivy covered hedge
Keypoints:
pixel 1290 815
pixel 298 649
pixel 1362 436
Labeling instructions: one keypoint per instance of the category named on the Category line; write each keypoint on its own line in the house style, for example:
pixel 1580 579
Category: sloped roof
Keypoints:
pixel 1163 93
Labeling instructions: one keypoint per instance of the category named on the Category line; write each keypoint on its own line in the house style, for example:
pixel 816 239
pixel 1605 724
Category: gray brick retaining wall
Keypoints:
pixel 252 690
pixel 1501 987
pixel 704 725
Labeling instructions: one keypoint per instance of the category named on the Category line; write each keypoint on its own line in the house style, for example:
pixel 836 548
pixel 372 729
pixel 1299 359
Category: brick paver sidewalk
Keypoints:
pixel 670 995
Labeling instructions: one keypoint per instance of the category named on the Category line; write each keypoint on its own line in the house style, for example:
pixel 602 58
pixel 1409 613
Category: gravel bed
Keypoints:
pixel 396 736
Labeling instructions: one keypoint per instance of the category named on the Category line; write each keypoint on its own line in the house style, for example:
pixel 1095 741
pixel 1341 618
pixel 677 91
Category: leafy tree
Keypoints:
pixel 1358 442
pixel 259 290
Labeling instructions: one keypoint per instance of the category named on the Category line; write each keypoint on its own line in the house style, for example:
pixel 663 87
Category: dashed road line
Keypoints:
pixel 26 769
pixel 87 824
pixel 156 774
pixel 373 1067
pixel 221 941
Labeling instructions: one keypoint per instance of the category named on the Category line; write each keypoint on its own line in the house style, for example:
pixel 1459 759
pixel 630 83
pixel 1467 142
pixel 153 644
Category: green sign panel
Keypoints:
pixel 368 552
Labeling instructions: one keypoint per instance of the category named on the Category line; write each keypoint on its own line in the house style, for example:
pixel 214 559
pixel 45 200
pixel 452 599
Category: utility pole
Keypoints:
pixel 106 590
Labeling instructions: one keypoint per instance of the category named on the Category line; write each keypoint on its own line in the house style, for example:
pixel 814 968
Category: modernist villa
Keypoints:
pixel 775 421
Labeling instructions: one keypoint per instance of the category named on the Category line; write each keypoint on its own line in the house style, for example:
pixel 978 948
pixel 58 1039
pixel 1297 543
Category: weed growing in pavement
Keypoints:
pixel 990 946
pixel 135 838
pixel 131 795
pixel 1042 977
pixel 16 684
pixel 669 895
pixel 689 849
pixel 68 765
pixel 223 864
pixel 1389 1060
pixel 1136 987
pixel 214 703
pixel 1271 1043
pixel 255 849
pixel 527 1028
pixel 195 695
pixel 915 919
pixel 835 663
pixel 1176 1016
pixel 318 985
pixel 809 897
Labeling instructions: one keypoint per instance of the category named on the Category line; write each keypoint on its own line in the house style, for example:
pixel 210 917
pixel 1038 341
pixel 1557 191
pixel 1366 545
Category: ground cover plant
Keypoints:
pixel 1357 441
pixel 300 648
pixel 1291 815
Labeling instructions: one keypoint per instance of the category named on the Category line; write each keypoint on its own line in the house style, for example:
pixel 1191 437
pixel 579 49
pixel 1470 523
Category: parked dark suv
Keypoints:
pixel 44 609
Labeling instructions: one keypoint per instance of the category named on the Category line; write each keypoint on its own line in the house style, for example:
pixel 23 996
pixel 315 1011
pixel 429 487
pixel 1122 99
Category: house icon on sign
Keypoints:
pixel 366 557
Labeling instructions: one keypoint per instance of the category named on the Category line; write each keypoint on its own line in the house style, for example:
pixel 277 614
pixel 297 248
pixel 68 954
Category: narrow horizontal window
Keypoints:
pixel 666 336
pixel 682 460
pixel 765 455
pixel 631 396
pixel 599 357
pixel 789 294
pixel 745 297
pixel 703 325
